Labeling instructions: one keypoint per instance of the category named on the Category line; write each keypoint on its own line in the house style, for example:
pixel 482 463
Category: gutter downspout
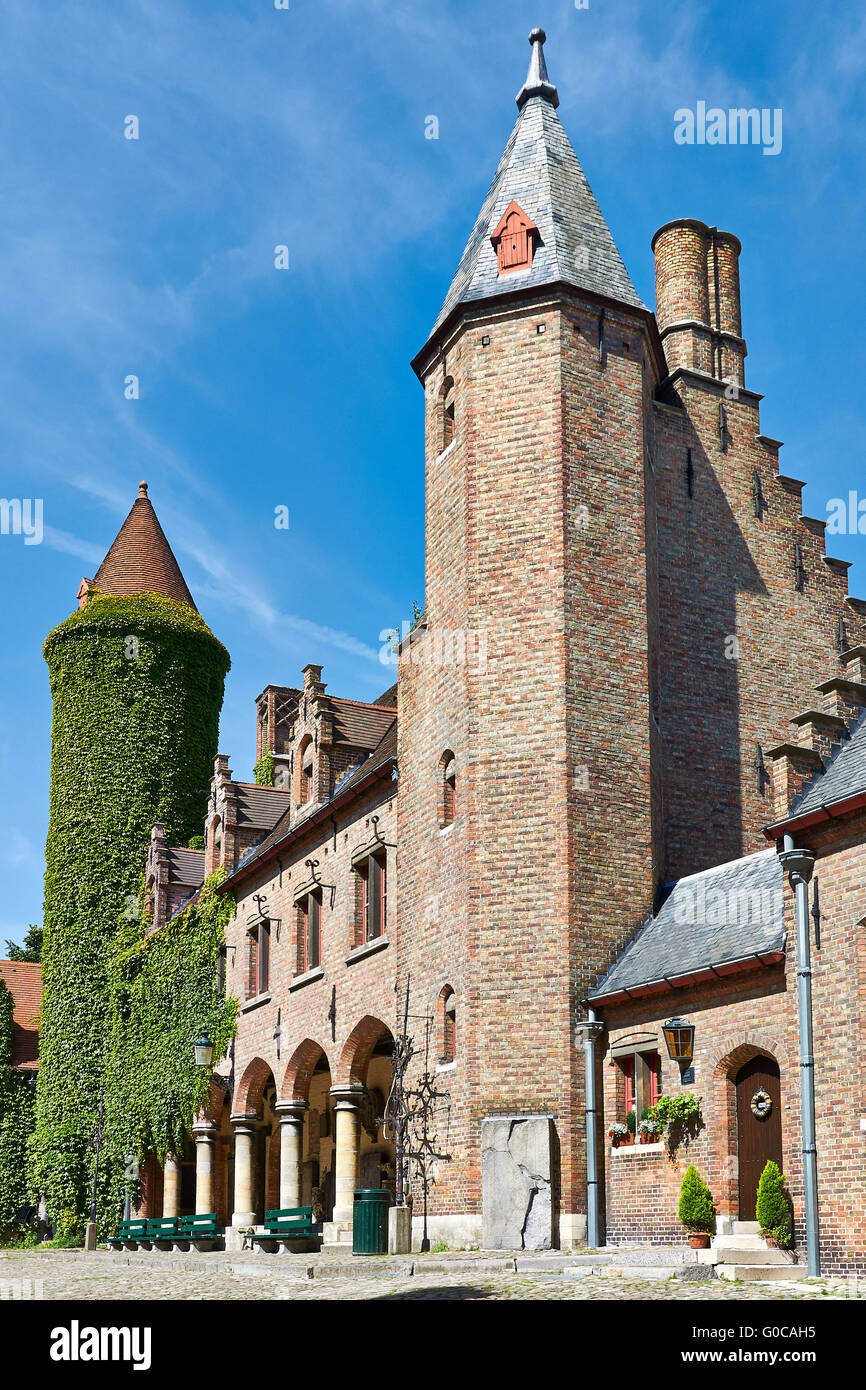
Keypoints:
pixel 591 1028
pixel 799 864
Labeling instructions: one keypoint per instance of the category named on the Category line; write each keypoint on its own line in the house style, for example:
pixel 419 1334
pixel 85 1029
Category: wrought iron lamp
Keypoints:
pixel 203 1051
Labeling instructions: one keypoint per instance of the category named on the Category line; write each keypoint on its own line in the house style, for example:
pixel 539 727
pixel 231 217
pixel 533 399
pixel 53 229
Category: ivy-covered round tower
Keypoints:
pixel 137 685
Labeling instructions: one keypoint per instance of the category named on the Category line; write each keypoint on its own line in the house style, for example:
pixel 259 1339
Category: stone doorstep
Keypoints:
pixel 768 1273
pixel 760 1255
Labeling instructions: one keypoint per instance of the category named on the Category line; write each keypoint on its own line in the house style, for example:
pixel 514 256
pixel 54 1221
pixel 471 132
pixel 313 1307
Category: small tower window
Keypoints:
pixel 447 789
pixel 446 412
pixel 447 1026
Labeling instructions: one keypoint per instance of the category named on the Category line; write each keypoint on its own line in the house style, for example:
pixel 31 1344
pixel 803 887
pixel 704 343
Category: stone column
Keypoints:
pixel 171 1185
pixel 347 1149
pixel 291 1113
pixel 205 1136
pixel 245 1130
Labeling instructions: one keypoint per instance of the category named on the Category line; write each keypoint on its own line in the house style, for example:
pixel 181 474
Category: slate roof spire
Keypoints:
pixel 141 560
pixel 537 83
pixel 541 173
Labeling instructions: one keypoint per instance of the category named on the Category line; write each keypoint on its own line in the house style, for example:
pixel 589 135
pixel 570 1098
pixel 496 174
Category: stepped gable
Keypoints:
pixel 141 560
pixel 540 172
pixel 826 766
pixel 844 777
pixel 382 755
pixel 711 924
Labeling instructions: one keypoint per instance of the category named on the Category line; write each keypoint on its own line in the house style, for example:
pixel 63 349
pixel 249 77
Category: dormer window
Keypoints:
pixel 514 240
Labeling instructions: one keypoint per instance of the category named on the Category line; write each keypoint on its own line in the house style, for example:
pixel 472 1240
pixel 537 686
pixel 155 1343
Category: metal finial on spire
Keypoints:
pixel 142 489
pixel 537 83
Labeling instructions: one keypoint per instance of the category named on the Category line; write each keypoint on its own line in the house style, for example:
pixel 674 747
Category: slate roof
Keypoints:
pixel 541 172
pixel 140 560
pixel 186 866
pixel 24 982
pixel 260 807
pixel 844 776
pixel 385 750
pixel 360 725
pixel 708 920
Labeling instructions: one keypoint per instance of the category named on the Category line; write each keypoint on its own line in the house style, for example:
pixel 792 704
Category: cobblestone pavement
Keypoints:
pixel 102 1277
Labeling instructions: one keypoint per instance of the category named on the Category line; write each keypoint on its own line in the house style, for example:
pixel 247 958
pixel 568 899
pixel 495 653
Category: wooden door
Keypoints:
pixel 759 1135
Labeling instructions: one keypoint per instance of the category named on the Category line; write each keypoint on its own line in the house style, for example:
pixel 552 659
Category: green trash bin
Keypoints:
pixel 370 1221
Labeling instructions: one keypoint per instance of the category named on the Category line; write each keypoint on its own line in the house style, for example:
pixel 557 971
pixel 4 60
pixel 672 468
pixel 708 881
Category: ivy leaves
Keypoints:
pixel 137 685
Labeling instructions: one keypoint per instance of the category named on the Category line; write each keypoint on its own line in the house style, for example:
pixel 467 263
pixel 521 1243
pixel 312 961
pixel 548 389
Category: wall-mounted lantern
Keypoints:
pixel 680 1041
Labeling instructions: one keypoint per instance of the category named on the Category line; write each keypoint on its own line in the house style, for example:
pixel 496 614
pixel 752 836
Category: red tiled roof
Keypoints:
pixel 141 560
pixel 24 981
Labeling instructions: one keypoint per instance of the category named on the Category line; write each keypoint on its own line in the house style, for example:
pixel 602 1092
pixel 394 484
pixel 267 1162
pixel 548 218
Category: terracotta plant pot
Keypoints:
pixel 649 1139
pixel 772 1243
pixel 699 1240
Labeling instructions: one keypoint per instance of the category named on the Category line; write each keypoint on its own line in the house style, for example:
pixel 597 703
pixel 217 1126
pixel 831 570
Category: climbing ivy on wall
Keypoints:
pixel 263 771
pixel 137 686
pixel 164 993
pixel 16 1118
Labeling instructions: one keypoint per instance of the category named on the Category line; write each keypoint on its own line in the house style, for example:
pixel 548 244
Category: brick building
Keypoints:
pixel 637 671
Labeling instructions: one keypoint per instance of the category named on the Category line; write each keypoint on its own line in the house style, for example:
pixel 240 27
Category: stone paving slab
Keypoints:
pixel 98 1277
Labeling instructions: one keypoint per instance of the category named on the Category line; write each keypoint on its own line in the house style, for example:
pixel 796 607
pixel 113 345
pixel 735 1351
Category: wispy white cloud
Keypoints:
pixel 64 541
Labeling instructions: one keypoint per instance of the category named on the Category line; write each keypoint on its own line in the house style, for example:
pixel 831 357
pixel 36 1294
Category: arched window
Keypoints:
pixel 447 1025
pixel 447 789
pixel 305 772
pixel 446 413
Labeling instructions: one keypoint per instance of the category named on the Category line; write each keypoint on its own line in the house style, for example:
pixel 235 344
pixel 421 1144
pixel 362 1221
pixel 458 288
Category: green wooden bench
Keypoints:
pixel 163 1230
pixel 290 1224
pixel 130 1233
pixel 202 1227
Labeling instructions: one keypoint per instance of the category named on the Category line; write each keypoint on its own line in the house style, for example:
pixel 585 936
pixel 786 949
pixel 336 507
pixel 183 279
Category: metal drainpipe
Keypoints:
pixel 799 864
pixel 591 1029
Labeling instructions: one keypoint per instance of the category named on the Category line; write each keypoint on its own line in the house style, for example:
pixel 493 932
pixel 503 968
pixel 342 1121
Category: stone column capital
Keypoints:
pixel 244 1121
pixel 204 1131
pixel 291 1111
pixel 348 1096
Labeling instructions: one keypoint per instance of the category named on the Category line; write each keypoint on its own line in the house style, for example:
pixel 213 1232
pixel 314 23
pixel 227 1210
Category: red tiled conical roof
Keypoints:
pixel 141 560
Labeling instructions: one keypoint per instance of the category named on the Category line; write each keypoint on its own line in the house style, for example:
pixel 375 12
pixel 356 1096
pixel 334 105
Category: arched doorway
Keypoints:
pixel 759 1126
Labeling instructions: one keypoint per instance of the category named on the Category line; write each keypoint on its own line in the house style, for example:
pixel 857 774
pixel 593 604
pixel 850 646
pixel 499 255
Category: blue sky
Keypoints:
pixel 261 387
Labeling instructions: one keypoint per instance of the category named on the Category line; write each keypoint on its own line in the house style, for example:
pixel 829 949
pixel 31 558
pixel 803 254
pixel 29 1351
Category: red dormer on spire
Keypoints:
pixel 514 239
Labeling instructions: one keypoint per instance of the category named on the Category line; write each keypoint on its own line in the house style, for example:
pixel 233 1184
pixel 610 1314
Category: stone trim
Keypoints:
pixel 635 1150
pixel 367 948
pixel 308 977
pixel 256 1002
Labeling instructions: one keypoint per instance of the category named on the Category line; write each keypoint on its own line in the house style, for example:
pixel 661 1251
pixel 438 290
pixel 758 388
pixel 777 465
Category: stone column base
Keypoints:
pixel 572 1230
pixel 241 1220
pixel 337 1234
pixel 90 1236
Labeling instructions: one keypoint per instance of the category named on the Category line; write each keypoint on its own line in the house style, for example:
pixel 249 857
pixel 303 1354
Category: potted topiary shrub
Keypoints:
pixel 696 1210
pixel 773 1207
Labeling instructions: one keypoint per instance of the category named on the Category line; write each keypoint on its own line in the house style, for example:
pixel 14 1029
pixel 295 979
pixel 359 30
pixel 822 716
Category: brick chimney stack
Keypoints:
pixel 698 299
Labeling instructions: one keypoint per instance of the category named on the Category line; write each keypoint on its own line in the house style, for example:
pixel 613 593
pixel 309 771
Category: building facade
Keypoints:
pixel 635 667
